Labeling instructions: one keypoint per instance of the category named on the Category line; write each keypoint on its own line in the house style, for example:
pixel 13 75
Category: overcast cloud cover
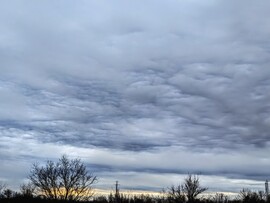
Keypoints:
pixel 142 91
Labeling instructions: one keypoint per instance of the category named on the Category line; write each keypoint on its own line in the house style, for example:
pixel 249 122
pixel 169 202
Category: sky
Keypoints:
pixel 143 92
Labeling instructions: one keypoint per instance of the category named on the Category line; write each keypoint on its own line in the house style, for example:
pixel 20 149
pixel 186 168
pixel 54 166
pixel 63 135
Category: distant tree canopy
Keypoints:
pixel 66 179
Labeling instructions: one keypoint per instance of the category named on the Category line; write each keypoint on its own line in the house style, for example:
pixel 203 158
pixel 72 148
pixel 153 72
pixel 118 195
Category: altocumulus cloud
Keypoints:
pixel 143 92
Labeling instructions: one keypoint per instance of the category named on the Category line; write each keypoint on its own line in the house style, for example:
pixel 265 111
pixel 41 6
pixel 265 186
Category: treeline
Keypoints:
pixel 251 197
pixel 68 180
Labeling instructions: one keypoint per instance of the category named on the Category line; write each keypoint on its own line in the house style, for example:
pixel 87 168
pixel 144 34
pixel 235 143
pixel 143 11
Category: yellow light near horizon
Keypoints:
pixel 62 192
pixel 131 193
pixel 104 192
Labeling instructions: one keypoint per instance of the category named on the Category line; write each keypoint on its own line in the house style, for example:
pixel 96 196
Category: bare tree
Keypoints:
pixel 8 193
pixel 66 179
pixel 27 190
pixel 175 194
pixel 192 187
pixel 248 196
pixel 220 198
pixel 189 190
pixel 2 188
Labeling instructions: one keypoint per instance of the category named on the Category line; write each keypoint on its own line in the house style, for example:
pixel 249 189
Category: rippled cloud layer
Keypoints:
pixel 154 89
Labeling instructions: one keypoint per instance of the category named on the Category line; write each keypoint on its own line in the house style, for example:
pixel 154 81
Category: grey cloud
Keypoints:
pixel 137 78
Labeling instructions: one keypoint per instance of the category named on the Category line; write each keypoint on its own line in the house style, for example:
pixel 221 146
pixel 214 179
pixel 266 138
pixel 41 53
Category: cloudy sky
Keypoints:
pixel 143 92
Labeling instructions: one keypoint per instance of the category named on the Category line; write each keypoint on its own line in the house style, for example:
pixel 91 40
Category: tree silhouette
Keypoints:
pixel 27 190
pixel 189 190
pixel 220 198
pixel 248 196
pixel 8 193
pixel 175 194
pixel 2 188
pixel 192 187
pixel 66 179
